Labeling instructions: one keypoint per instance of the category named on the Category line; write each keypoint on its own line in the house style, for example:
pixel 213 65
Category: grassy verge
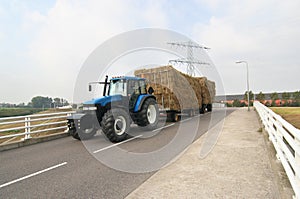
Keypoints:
pixel 290 114
pixel 9 112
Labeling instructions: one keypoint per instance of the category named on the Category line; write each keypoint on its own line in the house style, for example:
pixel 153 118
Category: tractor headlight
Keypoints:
pixel 89 108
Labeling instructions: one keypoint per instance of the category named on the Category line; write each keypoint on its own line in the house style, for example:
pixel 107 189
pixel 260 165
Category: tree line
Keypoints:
pixel 273 99
pixel 39 102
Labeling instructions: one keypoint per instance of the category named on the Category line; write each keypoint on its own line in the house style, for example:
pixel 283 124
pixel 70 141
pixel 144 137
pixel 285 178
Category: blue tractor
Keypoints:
pixel 127 100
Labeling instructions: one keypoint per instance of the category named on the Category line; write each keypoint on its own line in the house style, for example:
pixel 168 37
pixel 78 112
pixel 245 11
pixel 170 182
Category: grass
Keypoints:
pixel 290 114
pixel 9 112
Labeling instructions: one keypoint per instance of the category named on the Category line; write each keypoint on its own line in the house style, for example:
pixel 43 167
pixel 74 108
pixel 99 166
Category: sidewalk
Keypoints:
pixel 241 165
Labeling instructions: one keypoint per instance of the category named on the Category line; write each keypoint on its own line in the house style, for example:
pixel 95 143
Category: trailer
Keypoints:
pixel 177 93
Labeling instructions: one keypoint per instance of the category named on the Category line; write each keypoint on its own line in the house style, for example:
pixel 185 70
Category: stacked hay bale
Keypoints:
pixel 212 90
pixel 208 90
pixel 173 90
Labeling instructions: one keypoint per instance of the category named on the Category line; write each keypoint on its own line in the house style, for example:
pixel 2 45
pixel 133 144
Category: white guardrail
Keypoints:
pixel 286 141
pixel 32 124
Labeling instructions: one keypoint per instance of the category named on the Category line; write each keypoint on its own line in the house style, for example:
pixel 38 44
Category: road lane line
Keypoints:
pixel 33 174
pixel 110 146
pixel 163 127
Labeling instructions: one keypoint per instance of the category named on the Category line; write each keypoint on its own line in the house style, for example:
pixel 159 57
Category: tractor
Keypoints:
pixel 125 100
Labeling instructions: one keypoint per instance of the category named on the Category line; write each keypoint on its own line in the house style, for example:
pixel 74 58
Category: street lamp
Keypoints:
pixel 248 97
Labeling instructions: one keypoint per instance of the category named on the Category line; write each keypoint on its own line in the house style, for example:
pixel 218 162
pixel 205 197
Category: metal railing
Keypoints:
pixel 286 141
pixel 28 125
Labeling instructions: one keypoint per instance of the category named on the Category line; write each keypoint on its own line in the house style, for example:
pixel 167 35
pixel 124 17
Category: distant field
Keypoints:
pixel 290 114
pixel 9 112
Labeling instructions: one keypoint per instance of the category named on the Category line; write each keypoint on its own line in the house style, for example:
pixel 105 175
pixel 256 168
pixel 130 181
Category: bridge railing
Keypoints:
pixel 286 141
pixel 26 126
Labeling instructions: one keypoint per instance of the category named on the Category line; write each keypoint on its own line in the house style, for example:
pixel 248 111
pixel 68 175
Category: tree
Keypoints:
pixel 251 95
pixel 41 102
pixel 260 97
pixel 236 103
pixel 286 96
pixel 274 96
pixel 60 102
pixel 57 102
pixel 296 95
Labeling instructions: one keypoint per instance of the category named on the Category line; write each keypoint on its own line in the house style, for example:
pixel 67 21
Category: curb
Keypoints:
pixel 18 144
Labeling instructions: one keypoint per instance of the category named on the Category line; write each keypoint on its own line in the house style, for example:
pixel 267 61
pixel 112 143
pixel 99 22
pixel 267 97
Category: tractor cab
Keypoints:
pixel 128 87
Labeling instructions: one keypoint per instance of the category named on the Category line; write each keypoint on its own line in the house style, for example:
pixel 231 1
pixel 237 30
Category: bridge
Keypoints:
pixel 256 156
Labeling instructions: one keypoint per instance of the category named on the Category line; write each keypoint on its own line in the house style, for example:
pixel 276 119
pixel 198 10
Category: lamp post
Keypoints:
pixel 248 97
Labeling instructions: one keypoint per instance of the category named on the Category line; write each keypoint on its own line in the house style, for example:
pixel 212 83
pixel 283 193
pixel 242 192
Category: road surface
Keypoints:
pixel 68 168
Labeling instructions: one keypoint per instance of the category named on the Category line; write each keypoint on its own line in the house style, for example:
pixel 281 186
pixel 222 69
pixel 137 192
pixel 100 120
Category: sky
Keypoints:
pixel 43 44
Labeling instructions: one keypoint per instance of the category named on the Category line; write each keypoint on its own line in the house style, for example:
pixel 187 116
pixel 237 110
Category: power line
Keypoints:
pixel 189 60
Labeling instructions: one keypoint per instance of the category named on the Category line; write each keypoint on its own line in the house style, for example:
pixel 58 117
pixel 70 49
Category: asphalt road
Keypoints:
pixel 67 168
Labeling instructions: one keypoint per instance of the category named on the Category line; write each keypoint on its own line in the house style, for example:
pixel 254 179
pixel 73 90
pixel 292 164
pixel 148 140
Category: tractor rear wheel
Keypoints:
pixel 115 124
pixel 149 115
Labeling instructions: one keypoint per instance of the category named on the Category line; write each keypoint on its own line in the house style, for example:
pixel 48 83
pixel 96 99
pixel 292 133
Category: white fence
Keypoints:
pixel 32 124
pixel 286 141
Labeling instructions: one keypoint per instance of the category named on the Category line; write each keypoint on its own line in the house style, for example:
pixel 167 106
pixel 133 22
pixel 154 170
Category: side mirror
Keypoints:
pixel 90 87
pixel 150 90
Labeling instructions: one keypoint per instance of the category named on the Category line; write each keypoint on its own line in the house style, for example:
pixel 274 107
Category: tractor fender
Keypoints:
pixel 140 101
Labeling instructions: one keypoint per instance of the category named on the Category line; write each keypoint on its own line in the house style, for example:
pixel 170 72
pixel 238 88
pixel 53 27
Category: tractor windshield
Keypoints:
pixel 118 87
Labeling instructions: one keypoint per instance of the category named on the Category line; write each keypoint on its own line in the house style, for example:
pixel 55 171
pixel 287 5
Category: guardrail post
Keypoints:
pixel 27 128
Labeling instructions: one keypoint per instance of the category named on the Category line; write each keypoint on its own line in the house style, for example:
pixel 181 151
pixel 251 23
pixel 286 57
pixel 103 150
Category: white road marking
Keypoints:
pixel 110 146
pixel 31 175
pixel 163 127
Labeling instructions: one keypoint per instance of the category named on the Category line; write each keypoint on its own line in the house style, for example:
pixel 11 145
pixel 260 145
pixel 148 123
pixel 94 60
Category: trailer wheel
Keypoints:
pixel 149 114
pixel 209 107
pixel 177 118
pixel 202 109
pixel 115 124
pixel 173 117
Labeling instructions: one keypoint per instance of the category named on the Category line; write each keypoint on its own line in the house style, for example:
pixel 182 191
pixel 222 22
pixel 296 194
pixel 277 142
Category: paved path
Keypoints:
pixel 239 166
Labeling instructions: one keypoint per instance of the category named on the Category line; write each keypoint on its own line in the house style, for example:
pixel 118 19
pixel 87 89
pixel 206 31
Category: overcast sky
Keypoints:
pixel 43 44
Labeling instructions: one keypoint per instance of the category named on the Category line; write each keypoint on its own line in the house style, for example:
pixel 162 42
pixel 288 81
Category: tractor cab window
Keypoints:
pixel 142 85
pixel 136 87
pixel 133 88
pixel 118 87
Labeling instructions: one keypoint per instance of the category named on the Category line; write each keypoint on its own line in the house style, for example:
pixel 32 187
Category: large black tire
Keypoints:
pixel 74 134
pixel 173 117
pixel 115 125
pixel 83 134
pixel 86 133
pixel 209 107
pixel 148 116
pixel 88 127
pixel 202 109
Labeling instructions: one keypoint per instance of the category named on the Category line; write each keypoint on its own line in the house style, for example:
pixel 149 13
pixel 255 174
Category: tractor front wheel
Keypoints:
pixel 115 125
